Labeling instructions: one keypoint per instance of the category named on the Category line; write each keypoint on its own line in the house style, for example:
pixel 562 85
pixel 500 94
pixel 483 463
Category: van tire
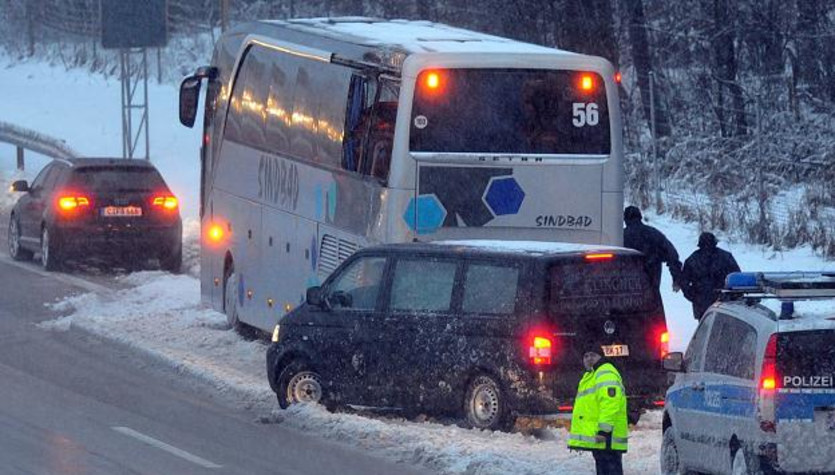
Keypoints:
pixel 230 306
pixel 485 405
pixel 298 382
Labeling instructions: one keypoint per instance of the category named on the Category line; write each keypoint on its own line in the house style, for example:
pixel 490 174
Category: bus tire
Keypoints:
pixel 230 306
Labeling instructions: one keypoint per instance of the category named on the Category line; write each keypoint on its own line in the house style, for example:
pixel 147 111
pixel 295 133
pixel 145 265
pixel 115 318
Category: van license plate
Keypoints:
pixel 121 211
pixel 615 350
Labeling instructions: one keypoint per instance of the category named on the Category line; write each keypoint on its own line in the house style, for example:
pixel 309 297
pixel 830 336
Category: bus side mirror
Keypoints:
pixel 674 362
pixel 189 96
pixel 20 186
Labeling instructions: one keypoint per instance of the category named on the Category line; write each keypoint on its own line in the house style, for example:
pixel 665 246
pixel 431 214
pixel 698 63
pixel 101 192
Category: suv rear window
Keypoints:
pixel 614 287
pixel 118 179
pixel 806 359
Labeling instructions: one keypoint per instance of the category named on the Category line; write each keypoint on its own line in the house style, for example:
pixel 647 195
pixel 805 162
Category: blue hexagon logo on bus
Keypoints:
pixel 504 195
pixel 425 214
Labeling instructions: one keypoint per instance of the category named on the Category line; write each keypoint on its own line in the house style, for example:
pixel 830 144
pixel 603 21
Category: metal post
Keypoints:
pixel 20 158
pixel 655 165
pixel 124 67
pixel 224 15
pixel 145 117
pixel 130 140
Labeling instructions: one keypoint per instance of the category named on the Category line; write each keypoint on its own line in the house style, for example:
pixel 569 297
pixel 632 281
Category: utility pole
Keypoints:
pixel 761 192
pixel 224 15
pixel 655 165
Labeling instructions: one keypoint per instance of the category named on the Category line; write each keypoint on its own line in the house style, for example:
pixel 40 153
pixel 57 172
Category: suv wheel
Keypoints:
pixel 15 250
pixel 172 261
pixel 50 255
pixel 298 383
pixel 670 461
pixel 485 405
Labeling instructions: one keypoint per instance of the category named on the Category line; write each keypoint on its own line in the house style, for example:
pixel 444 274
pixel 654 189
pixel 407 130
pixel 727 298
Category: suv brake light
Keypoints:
pixel 69 203
pixel 167 202
pixel 768 386
pixel 539 349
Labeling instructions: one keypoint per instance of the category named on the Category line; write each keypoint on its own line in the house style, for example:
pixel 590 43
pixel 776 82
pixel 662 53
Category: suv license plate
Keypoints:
pixel 121 211
pixel 615 350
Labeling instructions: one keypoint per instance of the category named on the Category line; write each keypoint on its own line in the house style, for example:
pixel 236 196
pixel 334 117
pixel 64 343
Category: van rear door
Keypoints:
pixel 607 300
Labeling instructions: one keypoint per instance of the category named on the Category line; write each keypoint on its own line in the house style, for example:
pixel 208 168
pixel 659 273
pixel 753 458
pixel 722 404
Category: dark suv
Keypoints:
pixel 96 207
pixel 485 330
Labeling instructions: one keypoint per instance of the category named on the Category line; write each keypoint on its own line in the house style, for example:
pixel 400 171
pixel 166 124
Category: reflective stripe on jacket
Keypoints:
pixel 600 407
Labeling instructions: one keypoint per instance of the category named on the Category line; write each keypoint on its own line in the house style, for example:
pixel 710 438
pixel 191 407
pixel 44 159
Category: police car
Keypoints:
pixel 755 391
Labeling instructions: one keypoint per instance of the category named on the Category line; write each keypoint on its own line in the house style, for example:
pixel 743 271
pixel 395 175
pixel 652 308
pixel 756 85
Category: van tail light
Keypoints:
pixel 664 343
pixel 166 202
pixel 768 386
pixel 69 204
pixel 599 256
pixel 540 349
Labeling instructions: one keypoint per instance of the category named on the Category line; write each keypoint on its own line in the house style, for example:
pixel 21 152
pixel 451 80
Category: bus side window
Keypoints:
pixel 381 139
pixel 354 130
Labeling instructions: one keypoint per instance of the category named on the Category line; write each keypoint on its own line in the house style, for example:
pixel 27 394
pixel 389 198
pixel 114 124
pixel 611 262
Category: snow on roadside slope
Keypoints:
pixel 160 315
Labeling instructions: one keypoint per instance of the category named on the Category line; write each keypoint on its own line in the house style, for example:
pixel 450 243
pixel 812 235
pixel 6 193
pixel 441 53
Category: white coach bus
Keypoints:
pixel 322 136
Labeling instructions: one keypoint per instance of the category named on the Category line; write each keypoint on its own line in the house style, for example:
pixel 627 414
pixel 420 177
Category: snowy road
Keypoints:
pixel 73 403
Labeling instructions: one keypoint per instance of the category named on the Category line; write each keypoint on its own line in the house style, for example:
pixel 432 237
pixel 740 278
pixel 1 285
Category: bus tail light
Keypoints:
pixel 166 202
pixel 586 83
pixel 540 346
pixel 768 386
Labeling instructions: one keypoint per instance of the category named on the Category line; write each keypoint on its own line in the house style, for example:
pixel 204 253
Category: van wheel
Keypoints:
pixel 50 254
pixel 298 383
pixel 230 306
pixel 670 461
pixel 485 406
pixel 16 251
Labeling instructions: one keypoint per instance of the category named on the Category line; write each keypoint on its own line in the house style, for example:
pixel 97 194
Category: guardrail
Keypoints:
pixel 26 139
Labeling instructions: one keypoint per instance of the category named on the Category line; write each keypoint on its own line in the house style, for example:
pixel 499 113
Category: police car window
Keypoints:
pixel 694 356
pixel 358 286
pixel 490 289
pixel 731 348
pixel 423 285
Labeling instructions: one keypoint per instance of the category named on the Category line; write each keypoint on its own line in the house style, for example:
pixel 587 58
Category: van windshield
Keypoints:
pixel 806 359
pixel 619 286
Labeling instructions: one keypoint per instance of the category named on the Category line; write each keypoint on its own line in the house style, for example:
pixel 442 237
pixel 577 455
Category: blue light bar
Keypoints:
pixel 742 281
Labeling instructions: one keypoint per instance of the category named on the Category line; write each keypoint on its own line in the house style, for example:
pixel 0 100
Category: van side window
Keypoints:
pixel 490 289
pixel 423 285
pixel 358 286
pixel 731 348
pixel 694 356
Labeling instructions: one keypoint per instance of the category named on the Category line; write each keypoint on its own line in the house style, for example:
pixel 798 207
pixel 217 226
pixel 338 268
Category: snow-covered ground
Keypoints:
pixel 160 315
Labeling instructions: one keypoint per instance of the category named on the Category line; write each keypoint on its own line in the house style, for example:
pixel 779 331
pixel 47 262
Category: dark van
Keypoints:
pixel 485 330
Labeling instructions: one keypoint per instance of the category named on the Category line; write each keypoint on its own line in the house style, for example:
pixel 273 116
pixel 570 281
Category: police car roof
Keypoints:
pixel 496 247
pixel 808 315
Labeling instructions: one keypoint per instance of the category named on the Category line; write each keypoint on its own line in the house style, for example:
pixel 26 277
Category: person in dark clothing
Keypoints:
pixel 655 246
pixel 704 273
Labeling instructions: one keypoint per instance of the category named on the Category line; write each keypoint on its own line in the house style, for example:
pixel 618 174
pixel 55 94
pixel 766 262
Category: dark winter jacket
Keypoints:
pixel 703 274
pixel 656 247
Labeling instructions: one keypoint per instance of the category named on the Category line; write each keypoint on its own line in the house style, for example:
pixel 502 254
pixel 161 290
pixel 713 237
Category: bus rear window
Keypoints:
pixel 613 287
pixel 806 359
pixel 118 179
pixel 519 111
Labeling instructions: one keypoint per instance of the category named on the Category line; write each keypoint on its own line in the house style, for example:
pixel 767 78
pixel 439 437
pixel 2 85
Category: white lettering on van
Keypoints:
pixel 809 381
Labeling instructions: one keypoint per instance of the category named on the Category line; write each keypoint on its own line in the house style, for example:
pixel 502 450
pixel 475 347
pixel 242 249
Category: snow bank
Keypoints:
pixel 160 315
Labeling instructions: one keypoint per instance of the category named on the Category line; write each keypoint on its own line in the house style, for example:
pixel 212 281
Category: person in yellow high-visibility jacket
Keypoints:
pixel 598 421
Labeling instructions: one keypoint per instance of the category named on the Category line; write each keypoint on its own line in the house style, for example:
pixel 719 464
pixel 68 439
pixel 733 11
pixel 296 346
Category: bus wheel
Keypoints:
pixel 230 306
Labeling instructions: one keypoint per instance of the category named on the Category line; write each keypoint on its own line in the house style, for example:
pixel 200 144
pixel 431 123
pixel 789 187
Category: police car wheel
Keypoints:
pixel 670 460
pixel 484 405
pixel 743 464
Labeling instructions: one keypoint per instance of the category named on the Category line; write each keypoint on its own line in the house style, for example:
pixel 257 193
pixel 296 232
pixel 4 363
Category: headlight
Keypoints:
pixel 275 333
